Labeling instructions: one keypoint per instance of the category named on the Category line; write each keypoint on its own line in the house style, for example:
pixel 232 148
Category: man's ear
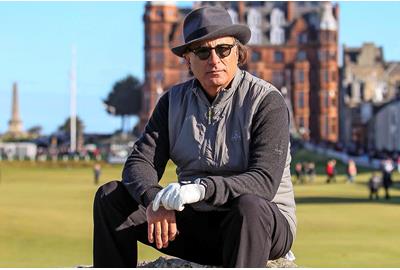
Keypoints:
pixel 187 60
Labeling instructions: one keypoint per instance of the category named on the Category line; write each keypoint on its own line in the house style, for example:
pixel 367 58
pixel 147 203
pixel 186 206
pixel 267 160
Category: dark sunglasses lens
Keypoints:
pixel 223 51
pixel 203 53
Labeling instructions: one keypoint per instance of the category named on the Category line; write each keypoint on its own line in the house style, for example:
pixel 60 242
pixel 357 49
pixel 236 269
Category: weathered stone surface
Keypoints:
pixel 171 262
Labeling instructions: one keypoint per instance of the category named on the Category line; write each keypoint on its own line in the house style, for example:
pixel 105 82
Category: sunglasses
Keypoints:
pixel 222 50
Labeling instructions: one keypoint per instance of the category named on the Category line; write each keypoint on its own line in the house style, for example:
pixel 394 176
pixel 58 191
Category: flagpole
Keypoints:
pixel 73 102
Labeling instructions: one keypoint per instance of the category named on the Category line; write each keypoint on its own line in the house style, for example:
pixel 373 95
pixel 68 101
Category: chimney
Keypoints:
pixel 290 10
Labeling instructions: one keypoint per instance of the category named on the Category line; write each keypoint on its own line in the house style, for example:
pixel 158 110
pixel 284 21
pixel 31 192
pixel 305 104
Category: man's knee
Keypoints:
pixel 110 191
pixel 109 187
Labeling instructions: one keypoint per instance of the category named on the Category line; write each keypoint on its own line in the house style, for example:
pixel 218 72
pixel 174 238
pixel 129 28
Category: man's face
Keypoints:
pixel 215 71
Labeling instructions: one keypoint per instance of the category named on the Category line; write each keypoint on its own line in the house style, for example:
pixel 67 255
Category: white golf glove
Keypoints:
pixel 174 196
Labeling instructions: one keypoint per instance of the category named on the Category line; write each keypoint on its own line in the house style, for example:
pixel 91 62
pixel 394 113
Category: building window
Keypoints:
pixel 278 57
pixel 159 57
pixel 333 74
pixel 326 126
pixel 255 56
pixel 301 56
pixel 326 98
pixel 362 90
pixel 158 39
pixel 333 126
pixel 302 38
pixel 277 17
pixel 253 17
pixel 277 35
pixel 300 76
pixel 160 13
pixel 313 19
pixel 148 57
pixel 300 100
pixel 158 76
pixel 326 75
pixel 322 56
pixel 332 55
pixel 171 13
pixel 332 36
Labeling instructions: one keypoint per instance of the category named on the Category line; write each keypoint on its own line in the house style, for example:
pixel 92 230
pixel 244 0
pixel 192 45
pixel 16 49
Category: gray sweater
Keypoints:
pixel 238 143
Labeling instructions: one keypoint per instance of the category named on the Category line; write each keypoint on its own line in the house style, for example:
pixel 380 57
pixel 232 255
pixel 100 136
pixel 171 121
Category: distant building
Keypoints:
pixel 384 128
pixel 18 150
pixel 368 83
pixel 293 45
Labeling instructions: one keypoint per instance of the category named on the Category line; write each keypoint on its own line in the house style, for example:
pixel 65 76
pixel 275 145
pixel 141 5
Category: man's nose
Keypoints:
pixel 214 58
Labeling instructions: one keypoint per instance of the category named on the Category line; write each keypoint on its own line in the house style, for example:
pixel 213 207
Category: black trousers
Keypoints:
pixel 247 235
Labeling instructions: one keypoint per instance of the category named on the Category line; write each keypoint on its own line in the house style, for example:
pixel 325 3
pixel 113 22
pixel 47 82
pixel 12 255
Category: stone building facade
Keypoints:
pixel 293 46
pixel 368 83
pixel 383 130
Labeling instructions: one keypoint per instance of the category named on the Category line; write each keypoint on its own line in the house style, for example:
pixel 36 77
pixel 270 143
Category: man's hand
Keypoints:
pixel 174 196
pixel 161 226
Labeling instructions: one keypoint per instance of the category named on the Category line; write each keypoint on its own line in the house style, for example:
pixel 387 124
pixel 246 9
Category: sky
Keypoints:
pixel 36 41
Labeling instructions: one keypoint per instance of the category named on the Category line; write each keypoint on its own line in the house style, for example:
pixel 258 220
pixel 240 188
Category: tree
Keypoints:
pixel 125 99
pixel 66 126
pixel 35 130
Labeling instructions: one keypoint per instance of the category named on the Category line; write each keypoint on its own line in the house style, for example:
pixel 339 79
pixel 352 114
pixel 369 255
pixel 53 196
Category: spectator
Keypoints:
pixel 351 171
pixel 298 169
pixel 311 172
pixel 331 171
pixel 96 173
pixel 387 169
pixel 398 164
pixel 374 184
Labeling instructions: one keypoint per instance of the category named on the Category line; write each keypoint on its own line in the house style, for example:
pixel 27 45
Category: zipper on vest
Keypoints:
pixel 210 114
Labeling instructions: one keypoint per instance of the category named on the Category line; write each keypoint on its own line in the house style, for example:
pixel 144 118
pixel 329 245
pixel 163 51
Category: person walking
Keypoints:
pixel 374 184
pixel 96 173
pixel 311 172
pixel 351 171
pixel 298 169
pixel 330 170
pixel 387 169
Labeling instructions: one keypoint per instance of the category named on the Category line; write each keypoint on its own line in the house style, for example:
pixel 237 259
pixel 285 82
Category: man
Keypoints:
pixel 387 169
pixel 228 133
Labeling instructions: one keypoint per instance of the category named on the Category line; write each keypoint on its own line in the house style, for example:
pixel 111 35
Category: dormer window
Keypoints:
pixel 277 36
pixel 277 17
pixel 253 17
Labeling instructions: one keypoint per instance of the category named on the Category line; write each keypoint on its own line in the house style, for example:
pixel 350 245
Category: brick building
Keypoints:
pixel 293 45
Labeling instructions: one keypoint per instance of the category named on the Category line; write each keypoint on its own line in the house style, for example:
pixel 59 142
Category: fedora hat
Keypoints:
pixel 209 23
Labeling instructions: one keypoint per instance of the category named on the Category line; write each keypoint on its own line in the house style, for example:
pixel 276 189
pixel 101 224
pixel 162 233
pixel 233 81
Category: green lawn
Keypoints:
pixel 46 218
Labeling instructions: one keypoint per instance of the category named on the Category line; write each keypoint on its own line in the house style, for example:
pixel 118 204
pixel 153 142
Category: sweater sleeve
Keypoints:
pixel 146 164
pixel 268 149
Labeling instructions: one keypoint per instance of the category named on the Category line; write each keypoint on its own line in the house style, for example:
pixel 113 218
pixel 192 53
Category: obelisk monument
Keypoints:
pixel 15 124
